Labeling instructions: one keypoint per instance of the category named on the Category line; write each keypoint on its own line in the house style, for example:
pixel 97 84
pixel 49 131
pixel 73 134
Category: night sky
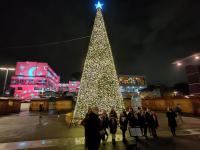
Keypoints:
pixel 146 36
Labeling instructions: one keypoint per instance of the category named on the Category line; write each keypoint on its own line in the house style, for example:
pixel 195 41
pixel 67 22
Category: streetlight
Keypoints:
pixel 196 57
pixel 179 64
pixel 5 81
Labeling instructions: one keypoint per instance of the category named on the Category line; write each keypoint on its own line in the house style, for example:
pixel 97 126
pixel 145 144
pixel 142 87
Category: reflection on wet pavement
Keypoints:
pixel 48 143
pixel 72 141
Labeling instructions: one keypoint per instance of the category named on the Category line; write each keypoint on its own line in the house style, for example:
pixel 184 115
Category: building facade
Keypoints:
pixel 33 78
pixel 193 76
pixel 130 86
pixel 192 70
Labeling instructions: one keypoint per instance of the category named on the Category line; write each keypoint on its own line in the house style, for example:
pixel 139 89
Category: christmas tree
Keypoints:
pixel 99 83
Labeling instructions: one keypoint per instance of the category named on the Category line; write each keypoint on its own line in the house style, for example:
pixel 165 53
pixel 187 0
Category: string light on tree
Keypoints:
pixel 99 83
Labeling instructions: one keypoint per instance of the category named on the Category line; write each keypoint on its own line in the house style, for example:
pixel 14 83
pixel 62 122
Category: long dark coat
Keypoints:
pixel 123 121
pixel 141 119
pixel 131 119
pixel 153 121
pixel 147 119
pixel 105 122
pixel 171 115
pixel 113 125
pixel 92 127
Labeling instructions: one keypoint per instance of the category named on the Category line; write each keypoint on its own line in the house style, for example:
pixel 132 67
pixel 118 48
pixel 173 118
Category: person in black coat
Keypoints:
pixel 153 123
pixel 123 121
pixel 171 115
pixel 113 113
pixel 83 123
pixel 104 122
pixel 141 119
pixel 131 117
pixel 178 111
pixel 146 116
pixel 92 126
pixel 113 124
pixel 136 121
pixel 40 107
pixel 113 128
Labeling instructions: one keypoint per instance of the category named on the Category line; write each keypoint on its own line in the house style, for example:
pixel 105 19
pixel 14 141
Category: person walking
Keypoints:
pixel 113 124
pixel 146 116
pixel 171 115
pixel 113 113
pixel 136 121
pixel 178 111
pixel 41 108
pixel 40 119
pixel 131 117
pixel 153 124
pixel 40 114
pixel 102 131
pixel 141 119
pixel 92 126
pixel 143 123
pixel 106 123
pixel 83 123
pixel 58 115
pixel 123 121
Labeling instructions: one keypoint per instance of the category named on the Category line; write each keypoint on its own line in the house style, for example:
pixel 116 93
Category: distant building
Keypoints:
pixel 193 76
pixel 150 94
pixel 63 87
pixel 130 86
pixel 33 78
pixel 192 69
pixel 73 86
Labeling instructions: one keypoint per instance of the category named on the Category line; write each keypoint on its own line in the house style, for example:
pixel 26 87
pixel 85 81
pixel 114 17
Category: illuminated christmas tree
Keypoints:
pixel 99 83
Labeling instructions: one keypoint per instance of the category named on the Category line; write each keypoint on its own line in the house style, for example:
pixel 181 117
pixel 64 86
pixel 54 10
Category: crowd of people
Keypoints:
pixel 96 124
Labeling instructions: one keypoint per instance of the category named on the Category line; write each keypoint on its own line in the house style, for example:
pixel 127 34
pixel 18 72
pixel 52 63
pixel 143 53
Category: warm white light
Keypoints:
pixel 175 93
pixel 179 64
pixel 4 68
pixel 187 97
pixel 99 83
pixel 196 57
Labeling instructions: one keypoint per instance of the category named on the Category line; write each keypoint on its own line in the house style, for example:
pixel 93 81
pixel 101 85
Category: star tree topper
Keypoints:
pixel 98 5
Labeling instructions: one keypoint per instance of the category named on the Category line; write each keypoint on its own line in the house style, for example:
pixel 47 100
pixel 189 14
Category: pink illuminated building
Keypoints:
pixel 74 86
pixel 33 78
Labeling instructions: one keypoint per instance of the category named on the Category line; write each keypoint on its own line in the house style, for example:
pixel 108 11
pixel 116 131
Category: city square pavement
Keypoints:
pixel 25 131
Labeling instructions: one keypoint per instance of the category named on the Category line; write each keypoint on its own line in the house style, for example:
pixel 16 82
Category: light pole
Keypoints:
pixel 5 81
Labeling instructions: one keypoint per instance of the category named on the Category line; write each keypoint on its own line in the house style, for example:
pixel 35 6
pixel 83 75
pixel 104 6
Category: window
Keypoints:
pixel 19 88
